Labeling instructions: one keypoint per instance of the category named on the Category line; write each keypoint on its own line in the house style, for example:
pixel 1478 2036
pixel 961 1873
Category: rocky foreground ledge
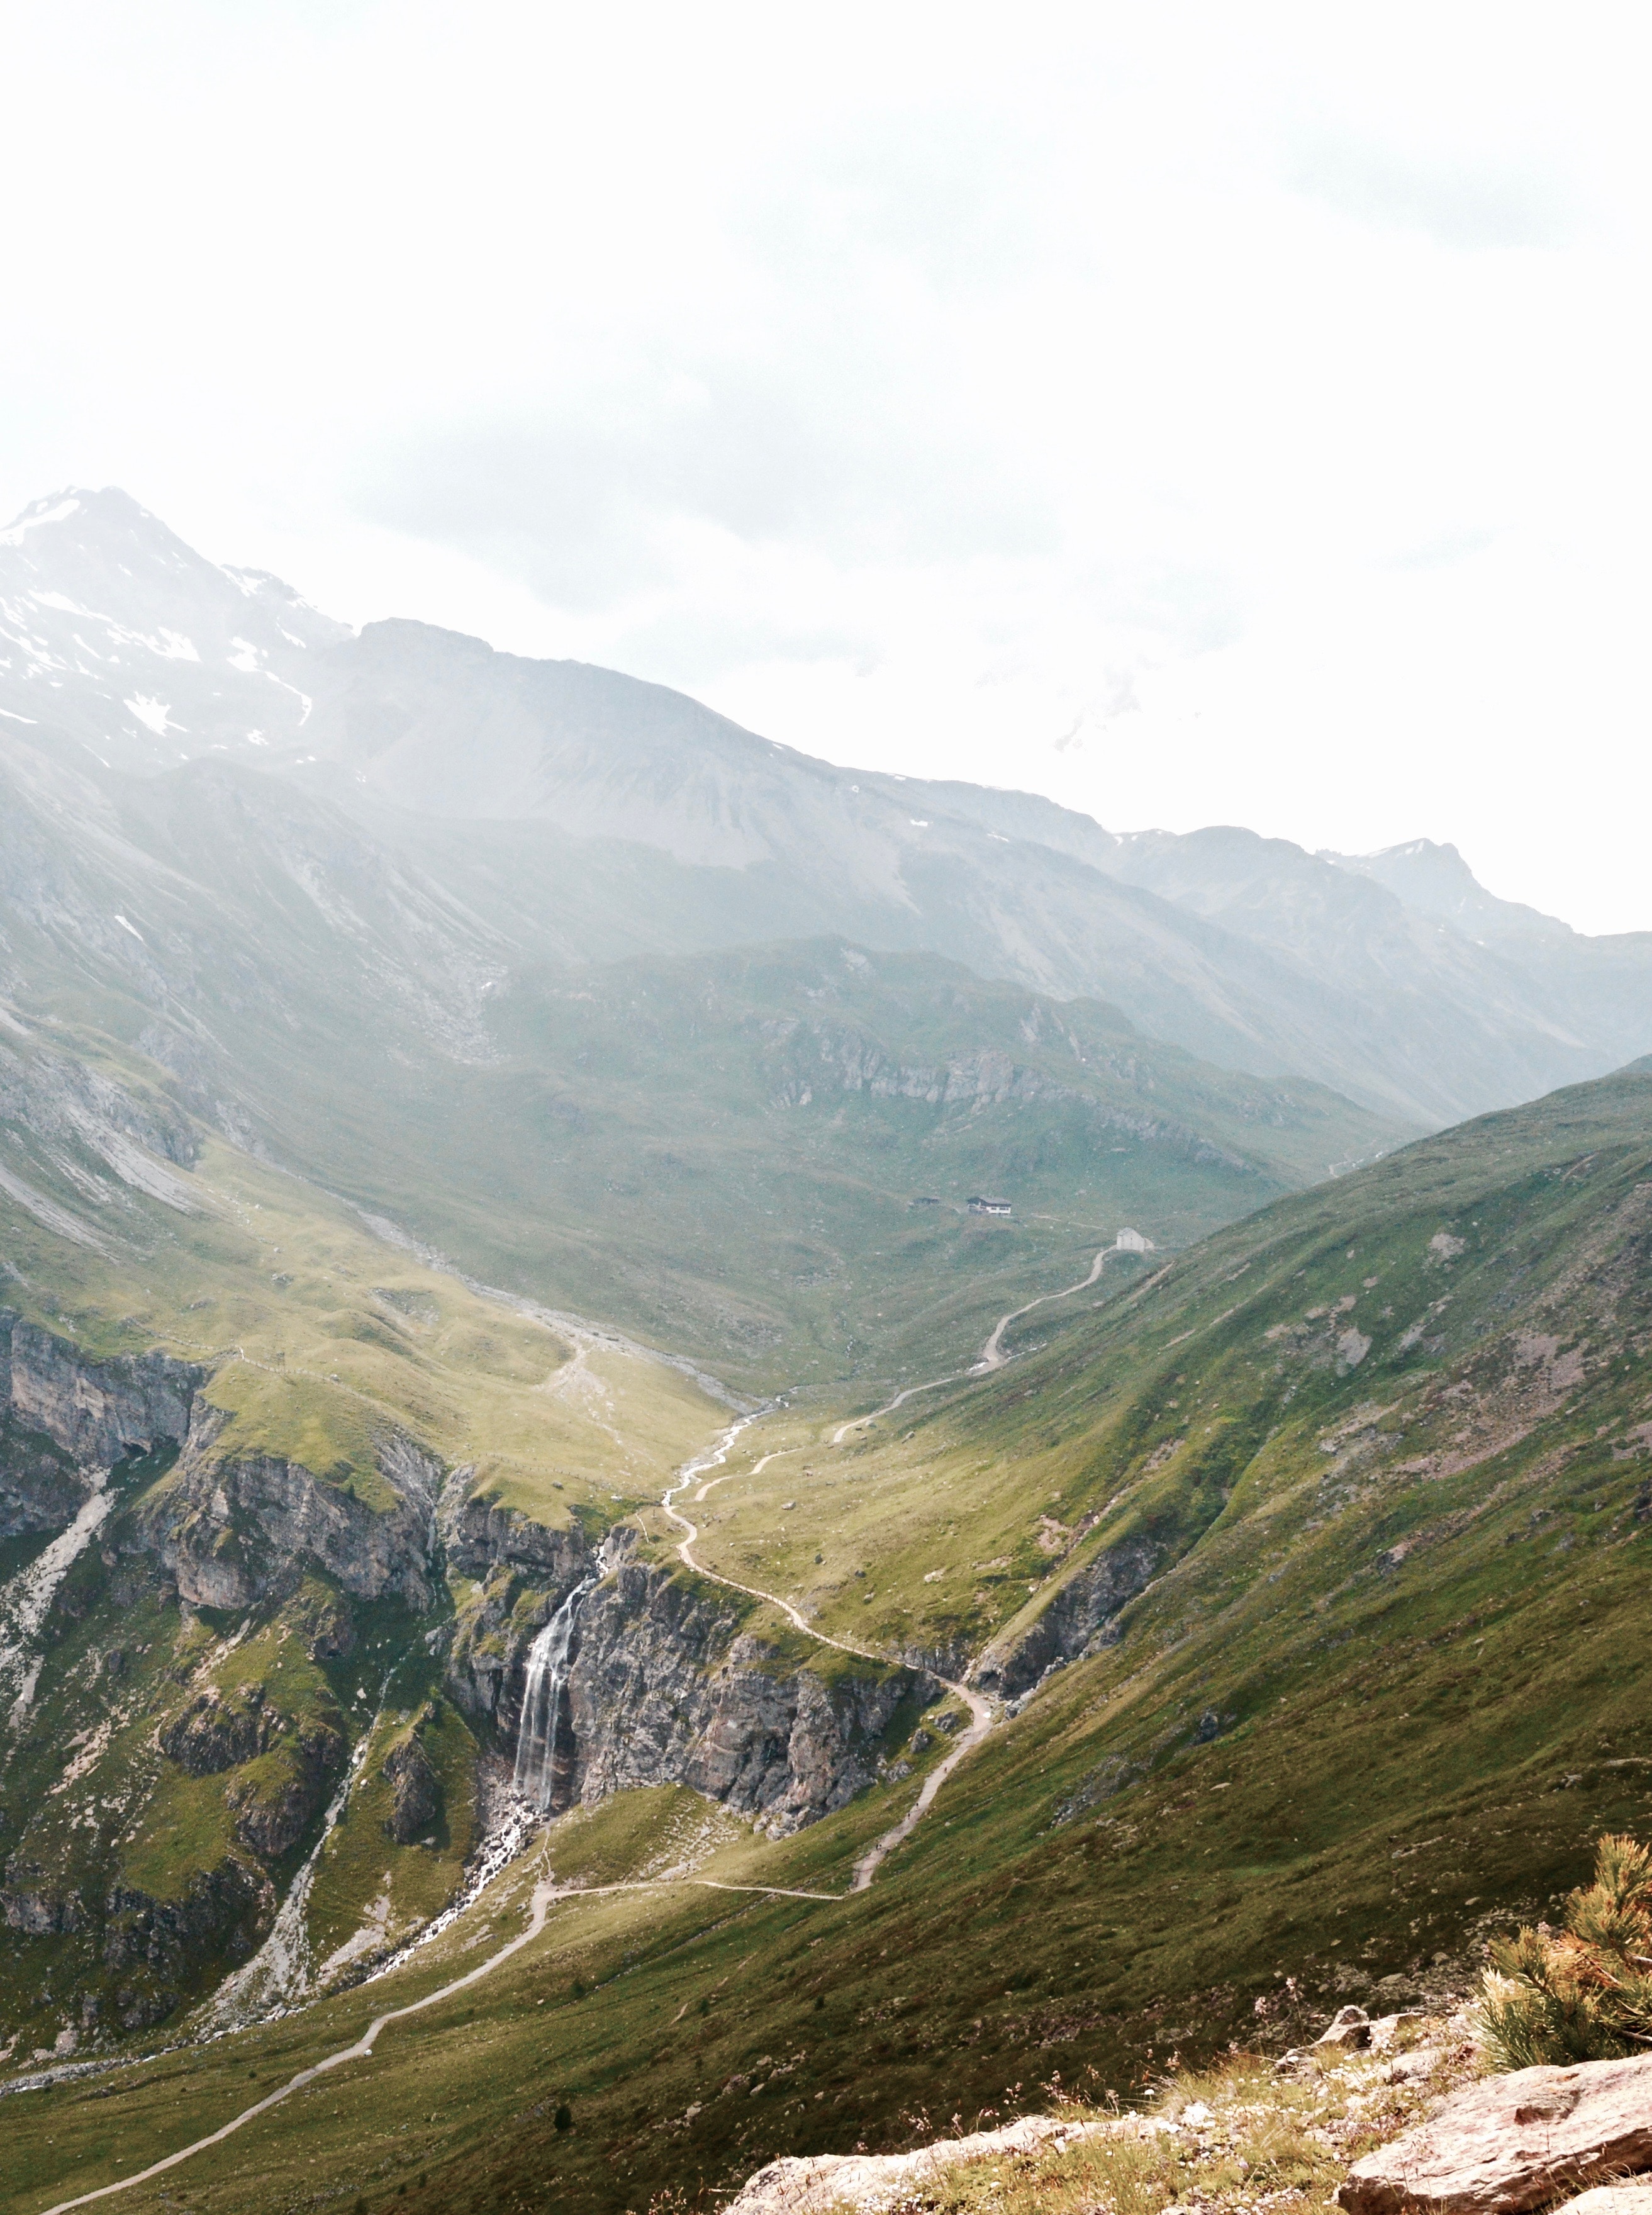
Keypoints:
pixel 1390 2117
pixel 1520 2141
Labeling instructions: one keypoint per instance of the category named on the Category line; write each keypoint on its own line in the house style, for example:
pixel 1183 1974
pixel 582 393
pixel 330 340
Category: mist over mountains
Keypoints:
pixel 554 811
pixel 592 1310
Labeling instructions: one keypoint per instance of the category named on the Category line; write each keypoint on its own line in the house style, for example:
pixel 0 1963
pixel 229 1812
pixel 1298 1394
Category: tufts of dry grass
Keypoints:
pixel 1251 2137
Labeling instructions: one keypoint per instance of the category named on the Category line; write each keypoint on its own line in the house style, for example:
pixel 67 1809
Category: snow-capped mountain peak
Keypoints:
pixel 115 632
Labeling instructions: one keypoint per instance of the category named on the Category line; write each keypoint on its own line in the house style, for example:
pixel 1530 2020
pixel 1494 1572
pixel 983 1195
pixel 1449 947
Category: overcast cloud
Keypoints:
pixel 1199 413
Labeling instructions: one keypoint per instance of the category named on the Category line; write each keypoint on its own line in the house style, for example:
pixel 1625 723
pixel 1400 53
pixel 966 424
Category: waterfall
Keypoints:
pixel 542 1699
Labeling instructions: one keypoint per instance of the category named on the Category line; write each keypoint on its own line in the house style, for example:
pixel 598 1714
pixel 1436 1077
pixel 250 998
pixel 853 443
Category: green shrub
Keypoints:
pixel 1583 1993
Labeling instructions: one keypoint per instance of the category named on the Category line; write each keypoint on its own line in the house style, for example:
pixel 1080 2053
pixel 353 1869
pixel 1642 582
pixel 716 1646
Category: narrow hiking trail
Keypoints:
pixel 361 2049
pixel 546 1894
pixel 983 1713
pixel 992 1355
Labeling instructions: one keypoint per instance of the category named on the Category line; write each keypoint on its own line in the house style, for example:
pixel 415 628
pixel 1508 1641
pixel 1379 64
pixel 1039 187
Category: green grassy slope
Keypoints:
pixel 1390 1441
pixel 729 1150
pixel 631 1140
pixel 134 1875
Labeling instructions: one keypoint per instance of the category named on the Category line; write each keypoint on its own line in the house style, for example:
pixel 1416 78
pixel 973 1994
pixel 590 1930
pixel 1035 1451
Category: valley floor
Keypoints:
pixel 1356 1502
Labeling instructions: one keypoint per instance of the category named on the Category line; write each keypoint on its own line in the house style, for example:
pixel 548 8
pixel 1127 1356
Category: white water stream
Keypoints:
pixel 278 1976
pixel 541 1699
pixel 26 1597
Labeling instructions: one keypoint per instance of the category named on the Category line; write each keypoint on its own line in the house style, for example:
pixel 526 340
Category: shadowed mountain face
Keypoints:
pixel 587 815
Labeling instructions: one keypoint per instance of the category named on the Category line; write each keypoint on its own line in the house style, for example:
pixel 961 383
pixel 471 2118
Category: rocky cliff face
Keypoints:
pixel 480 1536
pixel 665 1686
pixel 526 1570
pixel 64 1417
pixel 804 1061
pixel 416 1790
pixel 229 1529
pixel 153 1948
pixel 1078 1614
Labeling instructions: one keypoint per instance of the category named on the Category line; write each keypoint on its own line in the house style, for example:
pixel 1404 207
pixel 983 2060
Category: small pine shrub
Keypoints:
pixel 564 2118
pixel 1583 1993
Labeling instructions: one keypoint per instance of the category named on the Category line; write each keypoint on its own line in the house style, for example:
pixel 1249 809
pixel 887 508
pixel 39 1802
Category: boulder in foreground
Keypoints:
pixel 808 2185
pixel 1630 2196
pixel 1513 2143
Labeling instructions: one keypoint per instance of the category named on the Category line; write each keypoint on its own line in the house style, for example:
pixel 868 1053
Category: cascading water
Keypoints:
pixel 542 1699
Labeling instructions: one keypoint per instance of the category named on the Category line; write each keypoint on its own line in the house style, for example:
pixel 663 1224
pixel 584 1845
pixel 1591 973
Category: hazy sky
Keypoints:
pixel 1202 413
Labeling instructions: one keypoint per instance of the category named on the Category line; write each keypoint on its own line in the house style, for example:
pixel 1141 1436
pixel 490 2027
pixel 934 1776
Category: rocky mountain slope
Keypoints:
pixel 1307 1569
pixel 588 815
pixel 374 1013
pixel 720 1152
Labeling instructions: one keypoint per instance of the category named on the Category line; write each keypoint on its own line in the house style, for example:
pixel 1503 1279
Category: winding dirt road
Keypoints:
pixel 983 1713
pixel 992 1355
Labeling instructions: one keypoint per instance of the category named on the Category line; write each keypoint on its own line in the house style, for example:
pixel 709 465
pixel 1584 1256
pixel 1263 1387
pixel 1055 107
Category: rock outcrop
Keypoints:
pixel 480 1536
pixel 1512 2143
pixel 41 1488
pixel 666 1688
pixel 275 1803
pixel 1077 1614
pixel 812 2184
pixel 156 1947
pixel 1631 2196
pixel 215 1733
pixel 416 1791
pixel 64 1416
pixel 231 1529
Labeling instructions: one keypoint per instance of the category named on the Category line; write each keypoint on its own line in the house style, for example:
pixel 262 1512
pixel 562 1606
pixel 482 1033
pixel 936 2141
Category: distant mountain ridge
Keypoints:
pixel 603 816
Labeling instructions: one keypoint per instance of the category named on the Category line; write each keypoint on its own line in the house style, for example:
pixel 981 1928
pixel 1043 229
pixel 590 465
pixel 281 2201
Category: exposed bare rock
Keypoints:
pixel 1630 2195
pixel 216 1733
pixel 273 1811
pixel 480 1536
pixel 665 1688
pixel 1350 2027
pixel 229 1527
pixel 62 1417
pixel 1514 2142
pixel 810 2184
pixel 416 1788
pixel 1078 1612
pixel 29 1904
pixel 487 1657
pixel 324 1622
pixel 155 1944
pixel 40 1487
pixel 95 1410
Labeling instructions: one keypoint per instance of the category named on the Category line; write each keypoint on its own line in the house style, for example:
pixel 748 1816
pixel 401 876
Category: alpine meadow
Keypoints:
pixel 707 1460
